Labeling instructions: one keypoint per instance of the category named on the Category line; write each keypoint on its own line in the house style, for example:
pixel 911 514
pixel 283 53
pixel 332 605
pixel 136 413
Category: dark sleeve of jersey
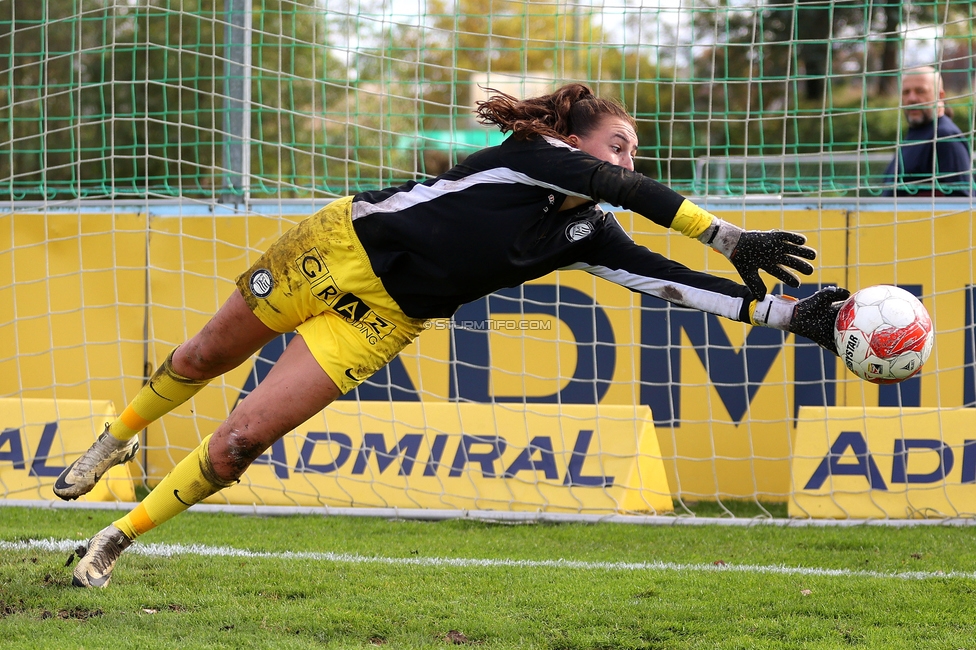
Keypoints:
pixel 616 257
pixel 574 172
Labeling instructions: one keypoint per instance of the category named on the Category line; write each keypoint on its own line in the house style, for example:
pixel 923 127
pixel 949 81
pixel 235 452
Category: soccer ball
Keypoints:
pixel 883 334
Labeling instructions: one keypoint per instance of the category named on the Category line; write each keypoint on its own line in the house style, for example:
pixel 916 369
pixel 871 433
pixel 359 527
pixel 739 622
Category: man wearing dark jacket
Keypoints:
pixel 934 158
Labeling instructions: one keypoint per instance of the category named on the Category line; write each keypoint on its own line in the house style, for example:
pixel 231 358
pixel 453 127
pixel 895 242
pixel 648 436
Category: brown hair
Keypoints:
pixel 571 110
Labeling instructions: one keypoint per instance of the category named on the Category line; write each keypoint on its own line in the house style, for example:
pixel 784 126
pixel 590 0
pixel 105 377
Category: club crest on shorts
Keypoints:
pixel 261 283
pixel 578 230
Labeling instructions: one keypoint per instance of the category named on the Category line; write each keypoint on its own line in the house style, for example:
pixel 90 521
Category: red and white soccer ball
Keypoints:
pixel 883 334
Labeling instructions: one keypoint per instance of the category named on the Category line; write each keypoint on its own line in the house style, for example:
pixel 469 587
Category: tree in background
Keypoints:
pixel 430 71
pixel 301 113
pixel 804 76
pixel 108 99
pixel 108 102
pixel 128 100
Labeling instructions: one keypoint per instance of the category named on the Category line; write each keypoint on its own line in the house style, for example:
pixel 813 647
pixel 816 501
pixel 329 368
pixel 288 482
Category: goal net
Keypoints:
pixel 150 150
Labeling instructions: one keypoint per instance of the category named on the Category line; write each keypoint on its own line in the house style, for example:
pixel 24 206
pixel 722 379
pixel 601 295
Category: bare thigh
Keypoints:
pixel 295 389
pixel 225 342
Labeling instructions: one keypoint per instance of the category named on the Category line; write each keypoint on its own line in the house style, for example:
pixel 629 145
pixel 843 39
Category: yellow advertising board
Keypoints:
pixel 725 394
pixel 39 438
pixel 718 437
pixel 98 301
pixel 901 463
pixel 73 304
pixel 572 458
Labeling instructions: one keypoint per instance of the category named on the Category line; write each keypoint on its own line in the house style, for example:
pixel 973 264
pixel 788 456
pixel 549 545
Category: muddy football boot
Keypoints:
pixel 82 475
pixel 95 567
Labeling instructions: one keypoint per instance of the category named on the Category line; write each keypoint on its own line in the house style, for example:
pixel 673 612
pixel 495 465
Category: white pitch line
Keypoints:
pixel 169 550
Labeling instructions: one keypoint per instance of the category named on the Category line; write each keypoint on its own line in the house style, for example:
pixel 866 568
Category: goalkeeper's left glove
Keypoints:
pixel 813 317
pixel 773 251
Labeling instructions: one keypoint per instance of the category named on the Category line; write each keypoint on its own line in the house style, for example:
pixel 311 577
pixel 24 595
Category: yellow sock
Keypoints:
pixel 191 481
pixel 165 391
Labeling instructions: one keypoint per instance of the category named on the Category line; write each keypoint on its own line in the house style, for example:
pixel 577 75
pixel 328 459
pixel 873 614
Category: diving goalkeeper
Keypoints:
pixel 359 279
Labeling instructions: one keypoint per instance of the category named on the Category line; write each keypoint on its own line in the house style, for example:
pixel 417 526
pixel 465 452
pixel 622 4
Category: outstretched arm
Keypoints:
pixel 576 173
pixel 780 253
pixel 616 257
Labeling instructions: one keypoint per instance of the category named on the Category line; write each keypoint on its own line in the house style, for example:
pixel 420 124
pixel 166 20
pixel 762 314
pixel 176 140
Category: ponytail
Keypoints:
pixel 573 109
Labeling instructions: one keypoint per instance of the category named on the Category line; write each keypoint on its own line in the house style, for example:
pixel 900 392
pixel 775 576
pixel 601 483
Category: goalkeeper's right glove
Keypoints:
pixel 813 317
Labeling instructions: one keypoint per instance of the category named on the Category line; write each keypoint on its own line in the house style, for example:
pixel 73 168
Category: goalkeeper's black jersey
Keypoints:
pixel 493 221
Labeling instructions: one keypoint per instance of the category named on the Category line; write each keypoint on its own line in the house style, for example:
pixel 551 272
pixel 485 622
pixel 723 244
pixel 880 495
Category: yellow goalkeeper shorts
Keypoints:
pixel 317 279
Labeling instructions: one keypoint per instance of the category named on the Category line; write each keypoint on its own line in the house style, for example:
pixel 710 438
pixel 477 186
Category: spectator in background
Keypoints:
pixel 934 158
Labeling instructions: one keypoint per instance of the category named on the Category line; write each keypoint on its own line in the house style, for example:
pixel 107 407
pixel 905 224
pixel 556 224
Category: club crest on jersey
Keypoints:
pixel 261 283
pixel 578 230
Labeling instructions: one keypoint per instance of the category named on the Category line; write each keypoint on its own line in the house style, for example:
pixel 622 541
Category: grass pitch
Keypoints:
pixel 225 581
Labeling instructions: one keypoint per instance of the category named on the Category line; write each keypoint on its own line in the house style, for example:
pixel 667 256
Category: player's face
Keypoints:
pixel 919 99
pixel 614 141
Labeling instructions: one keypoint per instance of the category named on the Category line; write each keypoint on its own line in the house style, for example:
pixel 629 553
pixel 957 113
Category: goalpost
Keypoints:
pixel 150 150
